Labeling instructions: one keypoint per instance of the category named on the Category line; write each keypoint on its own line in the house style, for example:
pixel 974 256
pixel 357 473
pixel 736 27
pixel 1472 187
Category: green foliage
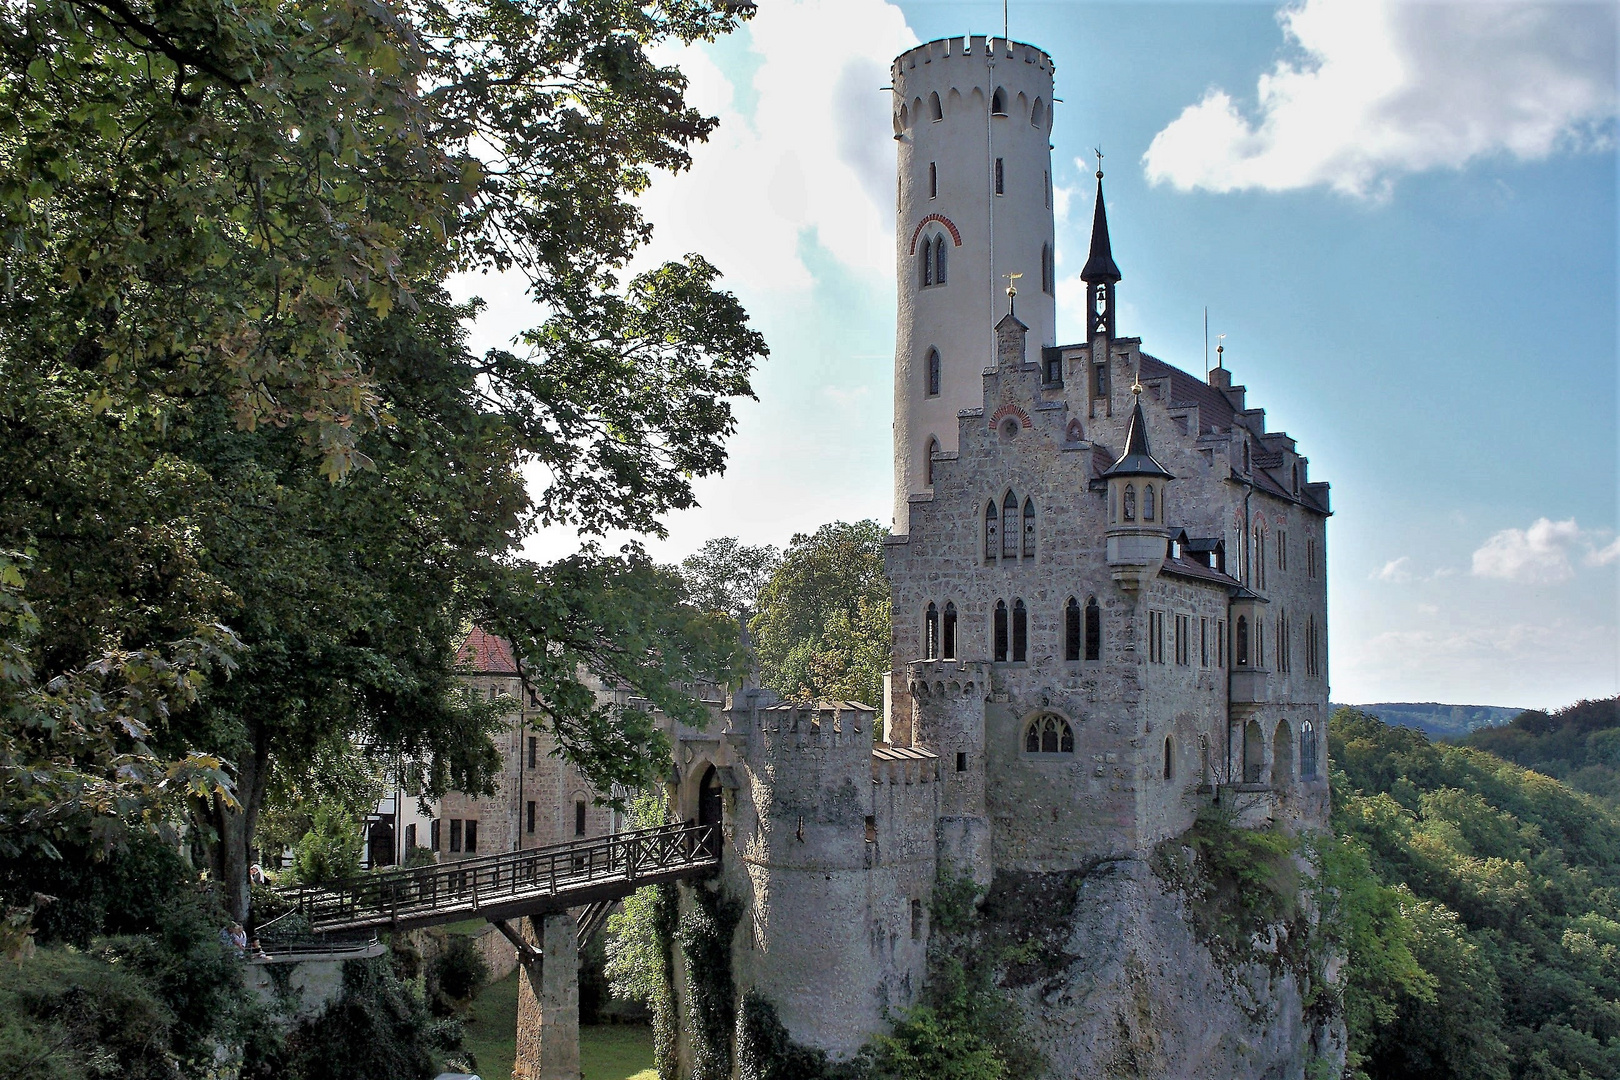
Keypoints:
pixel 964 1027
pixel 1241 883
pixel 765 1050
pixel 243 426
pixel 666 1024
pixel 823 627
pixel 637 955
pixel 67 1015
pixel 1512 881
pixel 1451 722
pixel 727 575
pixel 376 1029
pixel 330 850
pixel 94 890
pixel 704 933
pixel 455 975
pixel 1579 745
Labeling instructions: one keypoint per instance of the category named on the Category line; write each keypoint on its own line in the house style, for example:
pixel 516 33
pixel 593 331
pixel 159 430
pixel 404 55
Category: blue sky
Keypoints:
pixel 1402 217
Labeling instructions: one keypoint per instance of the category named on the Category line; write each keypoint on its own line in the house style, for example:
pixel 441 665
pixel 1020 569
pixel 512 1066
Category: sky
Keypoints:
pixel 1401 215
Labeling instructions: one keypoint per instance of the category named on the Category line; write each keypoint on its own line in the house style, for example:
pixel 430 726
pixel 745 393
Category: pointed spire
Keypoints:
pixel 1100 265
pixel 1137 460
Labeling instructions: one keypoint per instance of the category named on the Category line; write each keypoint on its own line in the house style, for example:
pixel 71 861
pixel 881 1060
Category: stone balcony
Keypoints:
pixel 1248 686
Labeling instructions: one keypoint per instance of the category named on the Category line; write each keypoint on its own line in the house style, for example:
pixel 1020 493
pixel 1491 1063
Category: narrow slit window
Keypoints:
pixel 928 461
pixel 1001 176
pixel 1071 630
pixel 1000 633
pixel 579 817
pixel 933 180
pixel 931 633
pixel 949 636
pixel 933 372
pixel 1020 632
pixel 939 260
pixel 1093 629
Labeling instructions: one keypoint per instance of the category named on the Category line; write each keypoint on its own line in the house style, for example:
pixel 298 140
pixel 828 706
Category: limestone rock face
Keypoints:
pixel 1134 993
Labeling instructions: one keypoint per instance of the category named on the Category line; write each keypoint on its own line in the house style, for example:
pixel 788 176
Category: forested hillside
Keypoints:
pixel 1511 900
pixel 1438 721
pixel 1579 745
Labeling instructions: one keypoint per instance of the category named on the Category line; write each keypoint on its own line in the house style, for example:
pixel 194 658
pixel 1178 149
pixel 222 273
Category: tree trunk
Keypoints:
pixel 233 827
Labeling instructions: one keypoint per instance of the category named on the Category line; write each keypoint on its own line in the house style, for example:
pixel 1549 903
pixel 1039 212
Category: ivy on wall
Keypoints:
pixel 704 933
pixel 666 1028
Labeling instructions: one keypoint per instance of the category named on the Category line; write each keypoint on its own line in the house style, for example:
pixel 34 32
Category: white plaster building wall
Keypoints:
pixel 988 236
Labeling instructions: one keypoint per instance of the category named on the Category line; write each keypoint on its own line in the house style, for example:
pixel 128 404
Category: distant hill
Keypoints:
pixel 1579 745
pixel 1437 721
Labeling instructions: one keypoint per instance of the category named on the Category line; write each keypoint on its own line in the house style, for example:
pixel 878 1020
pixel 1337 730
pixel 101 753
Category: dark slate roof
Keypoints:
pixel 886 752
pixel 1214 410
pixel 1187 568
pixel 1100 265
pixel 1137 459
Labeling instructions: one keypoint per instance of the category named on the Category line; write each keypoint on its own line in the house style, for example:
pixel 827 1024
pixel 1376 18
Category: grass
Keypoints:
pixel 606 1051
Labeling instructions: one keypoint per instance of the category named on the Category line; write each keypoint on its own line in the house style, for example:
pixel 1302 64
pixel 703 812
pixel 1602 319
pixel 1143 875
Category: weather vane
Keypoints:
pixel 1012 290
pixel 1098 152
pixel 1220 347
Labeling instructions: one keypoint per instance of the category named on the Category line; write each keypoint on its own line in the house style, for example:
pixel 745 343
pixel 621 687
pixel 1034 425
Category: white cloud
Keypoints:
pixel 816 154
pixel 1541 553
pixel 1377 88
pixel 1397 571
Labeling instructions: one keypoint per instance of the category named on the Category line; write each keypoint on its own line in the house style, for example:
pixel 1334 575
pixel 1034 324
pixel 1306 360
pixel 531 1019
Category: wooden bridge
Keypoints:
pixel 589 874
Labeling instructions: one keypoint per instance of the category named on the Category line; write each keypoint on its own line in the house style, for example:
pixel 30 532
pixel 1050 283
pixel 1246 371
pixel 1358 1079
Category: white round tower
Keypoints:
pixel 973 120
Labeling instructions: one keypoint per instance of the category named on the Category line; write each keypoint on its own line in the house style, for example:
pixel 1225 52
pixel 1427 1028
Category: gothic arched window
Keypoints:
pixel 1147 502
pixel 1242 642
pixel 1000 643
pixel 1307 749
pixel 1093 629
pixel 1037 115
pixel 1029 528
pixel 1048 734
pixel 1169 759
pixel 949 637
pixel 939 261
pixel 998 102
pixel 1009 526
pixel 931 633
pixel 1130 502
pixel 1020 632
pixel 933 368
pixel 928 464
pixel 925 266
pixel 935 112
pixel 991 543
pixel 1071 629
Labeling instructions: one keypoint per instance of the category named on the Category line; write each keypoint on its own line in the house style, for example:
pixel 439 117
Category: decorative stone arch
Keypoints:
pixel 1048 727
pixel 1023 105
pixel 950 227
pixel 1254 753
pixel 1282 754
pixel 689 790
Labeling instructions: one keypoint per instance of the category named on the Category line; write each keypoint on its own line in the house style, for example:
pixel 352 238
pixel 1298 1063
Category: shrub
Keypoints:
pixel 455 975
pixel 68 1015
pixel 377 1029
pixel 330 850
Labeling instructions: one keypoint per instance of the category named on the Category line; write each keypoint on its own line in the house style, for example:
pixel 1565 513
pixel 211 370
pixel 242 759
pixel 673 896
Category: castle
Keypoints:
pixel 1109 597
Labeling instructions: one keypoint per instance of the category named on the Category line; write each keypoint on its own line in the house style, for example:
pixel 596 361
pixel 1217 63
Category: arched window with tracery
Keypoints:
pixel 928 461
pixel 1000 633
pixel 1307 750
pixel 1093 629
pixel 991 543
pixel 939 260
pixel 1009 526
pixel 1071 630
pixel 1029 528
pixel 1048 733
pixel 1147 502
pixel 1020 632
pixel 931 633
pixel 949 636
pixel 933 369
pixel 1130 502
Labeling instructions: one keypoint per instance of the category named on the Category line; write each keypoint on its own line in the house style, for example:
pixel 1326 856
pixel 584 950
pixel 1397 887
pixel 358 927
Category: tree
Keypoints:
pixel 728 575
pixel 822 630
pixel 234 394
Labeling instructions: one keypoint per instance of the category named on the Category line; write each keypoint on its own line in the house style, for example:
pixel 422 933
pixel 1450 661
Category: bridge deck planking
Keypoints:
pixel 534 881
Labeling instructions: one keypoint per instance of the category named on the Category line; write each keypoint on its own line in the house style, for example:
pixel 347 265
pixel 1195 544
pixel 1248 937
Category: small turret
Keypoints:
pixel 1100 273
pixel 1136 505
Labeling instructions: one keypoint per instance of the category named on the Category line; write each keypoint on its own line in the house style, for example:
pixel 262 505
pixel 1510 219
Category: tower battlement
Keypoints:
pixel 977 46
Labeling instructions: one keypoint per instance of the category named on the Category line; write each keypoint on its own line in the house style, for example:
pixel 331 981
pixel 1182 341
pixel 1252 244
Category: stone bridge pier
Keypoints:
pixel 548 999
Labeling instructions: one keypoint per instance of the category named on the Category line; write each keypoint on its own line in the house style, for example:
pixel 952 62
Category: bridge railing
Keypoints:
pixel 393 895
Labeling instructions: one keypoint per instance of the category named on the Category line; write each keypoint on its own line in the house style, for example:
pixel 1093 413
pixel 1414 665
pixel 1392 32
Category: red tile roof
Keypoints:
pixel 485 654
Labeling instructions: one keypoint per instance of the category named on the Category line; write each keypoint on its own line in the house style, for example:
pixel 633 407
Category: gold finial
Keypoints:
pixel 1136 387
pixel 1098 152
pixel 1012 286
pixel 1220 347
